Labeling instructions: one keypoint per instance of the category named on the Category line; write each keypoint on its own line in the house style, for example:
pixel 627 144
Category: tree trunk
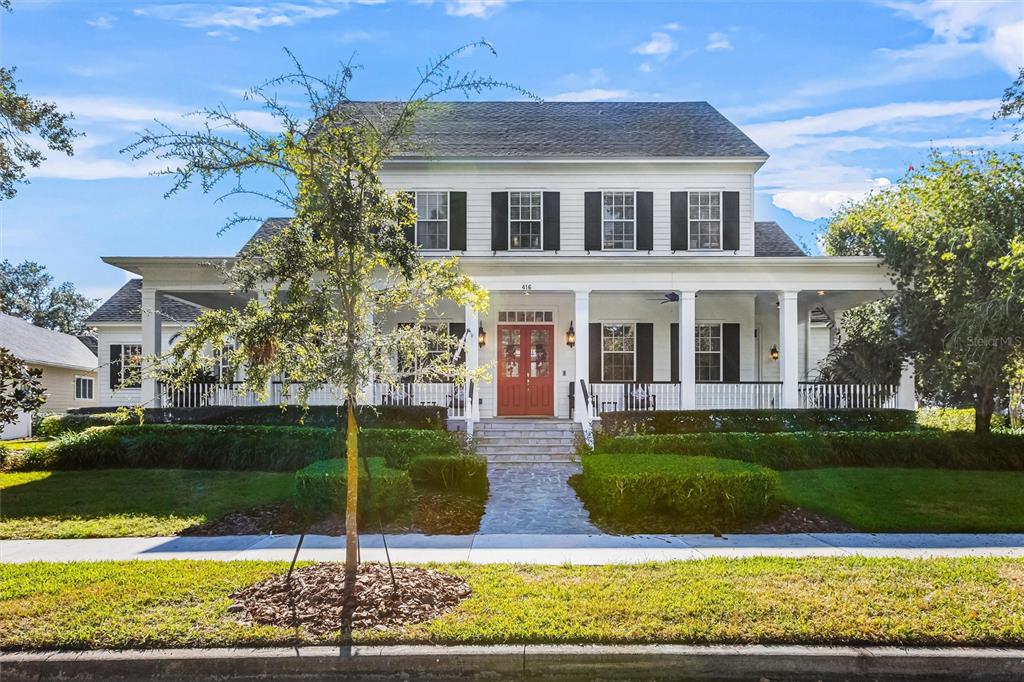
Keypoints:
pixel 352 494
pixel 984 406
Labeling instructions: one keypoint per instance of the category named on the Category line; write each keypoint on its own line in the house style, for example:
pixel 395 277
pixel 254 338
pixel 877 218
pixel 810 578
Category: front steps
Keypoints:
pixel 508 441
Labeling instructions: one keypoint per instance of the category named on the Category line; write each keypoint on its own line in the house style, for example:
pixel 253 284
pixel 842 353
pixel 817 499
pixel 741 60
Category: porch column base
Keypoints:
pixel 582 410
pixel 151 333
pixel 687 350
pixel 907 396
pixel 472 363
pixel 789 353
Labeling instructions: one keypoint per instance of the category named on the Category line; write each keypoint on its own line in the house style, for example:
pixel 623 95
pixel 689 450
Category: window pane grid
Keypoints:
pixel 708 357
pixel 619 220
pixel 524 210
pixel 618 352
pixel 705 220
pixel 432 220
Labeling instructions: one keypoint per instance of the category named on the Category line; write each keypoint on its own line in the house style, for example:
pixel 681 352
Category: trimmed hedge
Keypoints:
pixel 809 450
pixel 629 423
pixel 953 418
pixel 701 493
pixel 193 446
pixel 318 416
pixel 320 488
pixel 464 473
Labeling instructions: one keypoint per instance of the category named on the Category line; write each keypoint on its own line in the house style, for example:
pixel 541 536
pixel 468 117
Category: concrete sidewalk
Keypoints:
pixel 533 549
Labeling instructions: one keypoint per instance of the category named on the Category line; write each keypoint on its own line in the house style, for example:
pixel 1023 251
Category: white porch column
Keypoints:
pixel 151 337
pixel 907 391
pixel 789 349
pixel 687 350
pixel 367 389
pixel 472 360
pixel 582 323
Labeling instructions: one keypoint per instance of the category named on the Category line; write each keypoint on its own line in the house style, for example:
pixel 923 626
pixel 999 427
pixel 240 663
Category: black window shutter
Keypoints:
pixel 458 330
pixel 499 221
pixel 115 365
pixel 679 219
pixel 730 352
pixel 645 221
pixel 595 352
pixel 673 336
pixel 552 222
pixel 730 221
pixel 592 221
pixel 644 352
pixel 457 221
pixel 410 230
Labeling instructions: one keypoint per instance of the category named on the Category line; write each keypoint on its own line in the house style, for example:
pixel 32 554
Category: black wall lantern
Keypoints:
pixel 774 353
pixel 481 337
pixel 570 336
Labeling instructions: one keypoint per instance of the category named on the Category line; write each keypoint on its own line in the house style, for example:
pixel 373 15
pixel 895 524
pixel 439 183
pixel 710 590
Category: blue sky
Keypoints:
pixel 843 95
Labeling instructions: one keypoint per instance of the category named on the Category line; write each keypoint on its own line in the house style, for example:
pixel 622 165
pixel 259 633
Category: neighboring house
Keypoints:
pixel 68 366
pixel 619 246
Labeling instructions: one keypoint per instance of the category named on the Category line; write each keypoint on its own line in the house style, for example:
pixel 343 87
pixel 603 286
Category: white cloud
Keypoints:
pixel 718 41
pixel 356 36
pixel 104 22
pixel 243 17
pixel 659 46
pixel 480 9
pixel 812 205
pixel 590 95
pixel 645 67
pixel 672 26
pixel 226 35
pixel 85 168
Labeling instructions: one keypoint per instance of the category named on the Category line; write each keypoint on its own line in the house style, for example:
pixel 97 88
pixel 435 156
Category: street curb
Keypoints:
pixel 566 662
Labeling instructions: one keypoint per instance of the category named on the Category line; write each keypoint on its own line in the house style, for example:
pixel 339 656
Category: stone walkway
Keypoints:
pixel 534 498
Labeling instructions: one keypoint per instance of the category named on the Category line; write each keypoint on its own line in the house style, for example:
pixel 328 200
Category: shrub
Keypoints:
pixel 464 473
pixel 952 419
pixel 701 493
pixel 399 447
pixel 320 488
pixel 54 425
pixel 194 446
pixel 317 416
pixel 754 421
pixel 808 450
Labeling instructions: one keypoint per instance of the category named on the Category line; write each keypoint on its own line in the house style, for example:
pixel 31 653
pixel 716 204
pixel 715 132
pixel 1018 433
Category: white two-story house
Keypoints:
pixel 624 264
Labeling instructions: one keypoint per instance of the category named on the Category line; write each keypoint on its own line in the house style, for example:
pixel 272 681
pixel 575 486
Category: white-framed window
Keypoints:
pixel 432 221
pixel 83 388
pixel 525 316
pixel 129 366
pixel 222 369
pixel 708 346
pixel 618 352
pixel 618 225
pixel 705 228
pixel 525 221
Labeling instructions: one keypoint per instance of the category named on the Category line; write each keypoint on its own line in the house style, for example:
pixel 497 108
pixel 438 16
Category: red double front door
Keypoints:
pixel 525 370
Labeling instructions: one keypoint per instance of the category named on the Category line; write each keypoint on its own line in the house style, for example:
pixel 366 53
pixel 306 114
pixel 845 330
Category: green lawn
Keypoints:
pixel 924 500
pixel 968 601
pixel 127 502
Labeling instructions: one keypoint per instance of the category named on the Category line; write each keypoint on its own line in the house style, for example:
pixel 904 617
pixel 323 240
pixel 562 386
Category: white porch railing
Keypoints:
pixel 621 397
pixel 849 396
pixel 447 395
pixel 745 395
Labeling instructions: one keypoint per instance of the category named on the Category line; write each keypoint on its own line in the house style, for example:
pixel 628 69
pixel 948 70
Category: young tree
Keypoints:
pixel 340 265
pixel 21 388
pixel 951 234
pixel 21 116
pixel 1012 105
pixel 27 291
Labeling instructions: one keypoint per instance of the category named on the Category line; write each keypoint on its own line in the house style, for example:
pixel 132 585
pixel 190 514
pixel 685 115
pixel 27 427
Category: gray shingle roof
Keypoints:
pixel 126 306
pixel 40 346
pixel 269 228
pixel 770 240
pixel 573 130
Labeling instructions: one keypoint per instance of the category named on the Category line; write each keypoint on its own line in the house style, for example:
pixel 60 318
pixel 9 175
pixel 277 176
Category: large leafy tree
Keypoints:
pixel 341 265
pixel 27 291
pixel 21 388
pixel 952 235
pixel 21 116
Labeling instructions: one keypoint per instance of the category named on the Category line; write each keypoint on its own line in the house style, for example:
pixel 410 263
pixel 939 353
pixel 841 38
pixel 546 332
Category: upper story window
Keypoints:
pixel 432 220
pixel 83 388
pixel 618 352
pixel 524 220
pixel 705 220
pixel 619 220
pixel 126 369
pixel 708 345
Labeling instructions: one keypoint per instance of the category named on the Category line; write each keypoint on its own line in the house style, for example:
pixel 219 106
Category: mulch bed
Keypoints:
pixel 315 600
pixel 798 520
pixel 434 513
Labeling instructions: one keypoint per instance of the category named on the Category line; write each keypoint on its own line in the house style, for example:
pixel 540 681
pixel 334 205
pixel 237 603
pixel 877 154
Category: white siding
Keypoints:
pixel 572 181
pixel 59 383
pixel 107 335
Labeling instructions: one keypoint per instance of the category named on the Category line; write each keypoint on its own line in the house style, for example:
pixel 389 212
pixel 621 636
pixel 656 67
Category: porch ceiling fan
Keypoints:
pixel 668 297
